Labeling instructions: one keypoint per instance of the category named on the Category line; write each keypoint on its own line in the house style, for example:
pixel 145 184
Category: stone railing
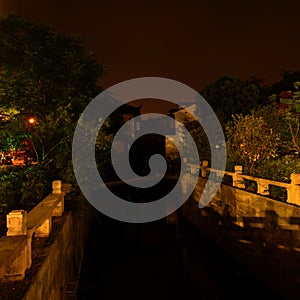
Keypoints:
pixel 15 247
pixel 238 180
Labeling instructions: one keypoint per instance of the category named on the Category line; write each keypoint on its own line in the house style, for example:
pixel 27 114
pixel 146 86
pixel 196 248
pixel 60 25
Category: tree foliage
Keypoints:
pixel 49 76
pixel 264 142
pixel 251 141
pixel 291 113
pixel 286 83
pixel 231 95
pixel 41 68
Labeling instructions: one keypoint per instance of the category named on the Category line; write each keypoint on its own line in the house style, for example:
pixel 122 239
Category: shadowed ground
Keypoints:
pixel 144 261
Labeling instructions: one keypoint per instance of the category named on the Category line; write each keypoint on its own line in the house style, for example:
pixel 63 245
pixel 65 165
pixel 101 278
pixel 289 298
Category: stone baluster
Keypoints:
pixel 57 189
pixel 262 187
pixel 237 177
pixel 16 222
pixel 293 192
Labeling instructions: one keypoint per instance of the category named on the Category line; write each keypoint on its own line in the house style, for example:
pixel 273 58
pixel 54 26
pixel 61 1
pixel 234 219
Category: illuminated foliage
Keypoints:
pixel 291 113
pixel 251 141
pixel 46 75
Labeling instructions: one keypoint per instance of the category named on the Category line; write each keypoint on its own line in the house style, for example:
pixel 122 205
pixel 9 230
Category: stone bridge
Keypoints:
pixel 261 234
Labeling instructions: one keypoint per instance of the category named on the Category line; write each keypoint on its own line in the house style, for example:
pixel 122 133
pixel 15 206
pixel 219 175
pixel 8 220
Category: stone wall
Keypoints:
pixel 58 275
pixel 262 234
pixel 240 204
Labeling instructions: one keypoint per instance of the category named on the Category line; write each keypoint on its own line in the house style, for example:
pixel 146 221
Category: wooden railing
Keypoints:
pixel 15 247
pixel 263 184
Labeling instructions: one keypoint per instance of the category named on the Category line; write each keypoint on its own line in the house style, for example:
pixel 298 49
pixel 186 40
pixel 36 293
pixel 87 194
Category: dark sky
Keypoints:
pixel 191 41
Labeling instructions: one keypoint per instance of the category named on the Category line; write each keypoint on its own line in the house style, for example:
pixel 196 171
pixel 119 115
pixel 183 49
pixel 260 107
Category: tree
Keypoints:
pixel 231 95
pixel 41 68
pixel 47 75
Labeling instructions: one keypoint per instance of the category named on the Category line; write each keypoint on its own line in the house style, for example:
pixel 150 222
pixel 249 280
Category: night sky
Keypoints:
pixel 192 41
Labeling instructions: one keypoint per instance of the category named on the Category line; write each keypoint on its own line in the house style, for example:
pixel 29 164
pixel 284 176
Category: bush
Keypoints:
pixel 23 187
pixel 278 169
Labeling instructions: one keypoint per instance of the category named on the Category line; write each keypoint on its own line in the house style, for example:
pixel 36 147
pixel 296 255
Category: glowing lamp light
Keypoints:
pixel 31 120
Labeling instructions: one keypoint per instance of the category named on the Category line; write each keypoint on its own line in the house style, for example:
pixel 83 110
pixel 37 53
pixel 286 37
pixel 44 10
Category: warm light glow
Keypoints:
pixel 31 120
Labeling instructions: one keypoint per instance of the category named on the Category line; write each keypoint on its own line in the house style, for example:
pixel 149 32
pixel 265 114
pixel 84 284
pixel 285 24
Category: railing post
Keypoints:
pixel 293 192
pixel 16 222
pixel 262 187
pixel 237 177
pixel 57 189
pixel 204 169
